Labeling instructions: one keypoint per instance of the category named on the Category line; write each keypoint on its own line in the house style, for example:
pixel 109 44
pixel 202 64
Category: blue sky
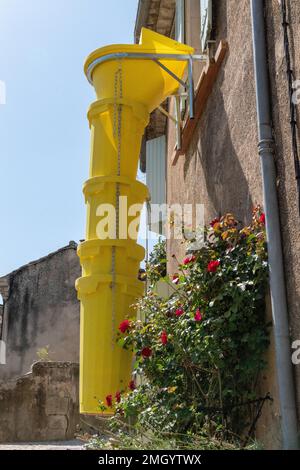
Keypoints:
pixel 44 134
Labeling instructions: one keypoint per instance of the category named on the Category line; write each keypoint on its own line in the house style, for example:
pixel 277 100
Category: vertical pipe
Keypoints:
pixel 191 88
pixel 277 282
pixel 178 122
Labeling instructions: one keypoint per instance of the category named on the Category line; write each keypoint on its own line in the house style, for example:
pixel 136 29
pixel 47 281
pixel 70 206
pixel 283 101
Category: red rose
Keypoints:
pixel 212 266
pixel 262 218
pixel 179 312
pixel 189 259
pixel 146 352
pixel 124 326
pixel 118 397
pixel 164 337
pixel 214 221
pixel 132 385
pixel 175 279
pixel 198 315
pixel 109 400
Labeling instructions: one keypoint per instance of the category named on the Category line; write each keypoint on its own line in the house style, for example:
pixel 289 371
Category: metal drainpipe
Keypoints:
pixel 277 282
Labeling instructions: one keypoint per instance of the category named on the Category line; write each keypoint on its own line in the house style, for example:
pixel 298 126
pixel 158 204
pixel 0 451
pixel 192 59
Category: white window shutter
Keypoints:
pixel 205 21
pixel 156 179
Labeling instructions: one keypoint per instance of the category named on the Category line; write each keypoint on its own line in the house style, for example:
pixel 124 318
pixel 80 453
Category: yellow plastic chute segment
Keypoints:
pixel 102 119
pixel 95 257
pixel 127 91
pixel 105 367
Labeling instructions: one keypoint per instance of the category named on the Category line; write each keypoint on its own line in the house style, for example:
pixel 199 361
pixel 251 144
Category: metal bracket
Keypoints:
pixel 173 75
pixel 189 86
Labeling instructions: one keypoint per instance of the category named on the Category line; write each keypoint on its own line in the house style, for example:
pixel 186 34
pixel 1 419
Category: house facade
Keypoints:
pixel 213 159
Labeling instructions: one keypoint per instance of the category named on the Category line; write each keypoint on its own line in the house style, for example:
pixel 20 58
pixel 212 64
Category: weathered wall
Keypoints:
pixel 42 405
pixel 1 318
pixel 221 169
pixel 268 431
pixel 287 193
pixel 42 310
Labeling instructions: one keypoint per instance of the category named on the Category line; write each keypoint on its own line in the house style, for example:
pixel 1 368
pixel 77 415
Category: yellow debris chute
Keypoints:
pixel 130 82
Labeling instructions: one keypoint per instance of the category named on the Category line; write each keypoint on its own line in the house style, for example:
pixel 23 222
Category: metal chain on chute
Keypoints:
pixel 117 132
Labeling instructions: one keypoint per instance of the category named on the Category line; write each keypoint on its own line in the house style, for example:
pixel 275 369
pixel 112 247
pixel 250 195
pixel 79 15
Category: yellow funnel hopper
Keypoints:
pixel 144 82
pixel 130 81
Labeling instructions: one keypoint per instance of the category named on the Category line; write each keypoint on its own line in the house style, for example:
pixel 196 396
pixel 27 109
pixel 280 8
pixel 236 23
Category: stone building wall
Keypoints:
pixel 41 310
pixel 221 168
pixel 287 189
pixel 42 405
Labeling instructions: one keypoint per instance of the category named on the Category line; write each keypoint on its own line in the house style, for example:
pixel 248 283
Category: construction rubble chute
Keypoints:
pixel 130 82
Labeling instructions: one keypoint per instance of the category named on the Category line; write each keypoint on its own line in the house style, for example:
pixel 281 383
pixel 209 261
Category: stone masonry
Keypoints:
pixel 42 405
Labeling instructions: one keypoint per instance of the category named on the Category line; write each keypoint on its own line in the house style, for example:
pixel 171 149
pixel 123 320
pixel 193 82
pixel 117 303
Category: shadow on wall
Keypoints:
pixel 219 28
pixel 226 185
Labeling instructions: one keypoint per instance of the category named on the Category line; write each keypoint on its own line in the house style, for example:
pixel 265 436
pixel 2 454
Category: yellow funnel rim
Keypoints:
pixel 150 43
pixel 90 284
pixel 99 106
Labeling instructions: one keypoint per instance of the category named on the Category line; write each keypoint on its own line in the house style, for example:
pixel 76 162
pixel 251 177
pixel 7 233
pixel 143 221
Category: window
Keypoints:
pixel 179 21
pixel 205 22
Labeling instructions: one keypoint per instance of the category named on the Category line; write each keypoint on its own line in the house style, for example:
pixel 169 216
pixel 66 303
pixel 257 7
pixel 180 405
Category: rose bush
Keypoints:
pixel 200 352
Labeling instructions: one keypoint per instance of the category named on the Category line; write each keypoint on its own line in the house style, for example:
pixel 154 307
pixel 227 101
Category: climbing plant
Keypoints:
pixel 200 351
